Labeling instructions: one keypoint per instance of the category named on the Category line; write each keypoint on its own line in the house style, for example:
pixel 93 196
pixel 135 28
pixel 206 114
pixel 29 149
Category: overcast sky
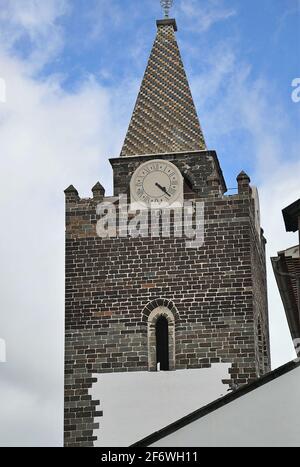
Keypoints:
pixel 71 69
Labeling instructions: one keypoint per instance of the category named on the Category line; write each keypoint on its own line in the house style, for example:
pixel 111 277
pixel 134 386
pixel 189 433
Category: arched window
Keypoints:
pixel 161 339
pixel 162 344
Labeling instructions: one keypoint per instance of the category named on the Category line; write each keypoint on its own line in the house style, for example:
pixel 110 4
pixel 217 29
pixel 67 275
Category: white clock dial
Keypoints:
pixel 157 181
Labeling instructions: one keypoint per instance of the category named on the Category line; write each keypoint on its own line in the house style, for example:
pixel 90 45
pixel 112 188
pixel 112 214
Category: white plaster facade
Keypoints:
pixel 136 404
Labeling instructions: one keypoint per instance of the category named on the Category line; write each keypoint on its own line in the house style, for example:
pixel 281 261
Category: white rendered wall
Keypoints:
pixel 268 416
pixel 136 404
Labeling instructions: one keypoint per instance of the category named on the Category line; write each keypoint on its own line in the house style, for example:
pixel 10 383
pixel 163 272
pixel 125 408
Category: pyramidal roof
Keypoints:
pixel 164 119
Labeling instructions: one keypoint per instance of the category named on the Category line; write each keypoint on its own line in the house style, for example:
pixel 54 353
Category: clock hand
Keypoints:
pixel 163 189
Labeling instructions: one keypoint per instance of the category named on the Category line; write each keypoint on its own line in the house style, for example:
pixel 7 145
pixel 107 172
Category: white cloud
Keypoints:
pixel 205 14
pixel 32 15
pixel 49 139
pixel 102 12
pixel 278 189
pixel 231 100
pixel 219 71
pixel 34 21
pixel 29 415
pixel 2 91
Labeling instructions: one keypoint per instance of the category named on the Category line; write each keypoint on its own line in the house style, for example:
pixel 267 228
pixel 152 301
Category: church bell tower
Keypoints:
pixel 144 302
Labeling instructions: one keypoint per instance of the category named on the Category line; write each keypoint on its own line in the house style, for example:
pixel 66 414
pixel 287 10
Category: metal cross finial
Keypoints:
pixel 166 6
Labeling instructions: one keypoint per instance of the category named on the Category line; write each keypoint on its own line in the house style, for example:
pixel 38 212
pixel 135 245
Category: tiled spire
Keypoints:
pixel 165 118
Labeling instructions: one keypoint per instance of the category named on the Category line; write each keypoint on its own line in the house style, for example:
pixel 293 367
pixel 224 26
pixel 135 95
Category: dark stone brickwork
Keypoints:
pixel 260 305
pixel 218 291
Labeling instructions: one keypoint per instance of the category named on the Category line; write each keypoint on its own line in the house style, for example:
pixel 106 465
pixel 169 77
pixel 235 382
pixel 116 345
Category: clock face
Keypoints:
pixel 155 182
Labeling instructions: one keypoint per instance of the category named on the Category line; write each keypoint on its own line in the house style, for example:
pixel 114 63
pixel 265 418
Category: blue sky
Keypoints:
pixel 111 41
pixel 72 70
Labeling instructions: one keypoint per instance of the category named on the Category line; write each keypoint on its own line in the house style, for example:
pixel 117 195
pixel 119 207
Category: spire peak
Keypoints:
pixel 164 119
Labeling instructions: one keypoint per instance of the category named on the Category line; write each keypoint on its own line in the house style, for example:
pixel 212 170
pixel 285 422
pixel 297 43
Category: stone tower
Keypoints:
pixel 136 301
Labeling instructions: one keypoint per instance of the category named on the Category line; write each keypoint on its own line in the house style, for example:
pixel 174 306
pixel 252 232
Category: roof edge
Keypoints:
pixel 206 410
pixel 284 285
pixel 291 215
